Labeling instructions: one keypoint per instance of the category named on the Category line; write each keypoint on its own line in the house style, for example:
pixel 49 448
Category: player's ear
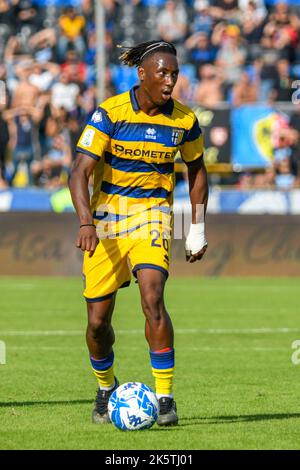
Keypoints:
pixel 141 73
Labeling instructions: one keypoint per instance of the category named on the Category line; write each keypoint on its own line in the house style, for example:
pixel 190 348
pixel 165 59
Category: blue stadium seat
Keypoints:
pixel 188 70
pixel 58 3
pixel 274 2
pixel 295 70
pixel 153 3
pixel 123 77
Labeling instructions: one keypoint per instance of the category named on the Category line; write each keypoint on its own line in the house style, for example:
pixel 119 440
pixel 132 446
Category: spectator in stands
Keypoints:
pixel 110 89
pixel 281 37
pixel 244 91
pixel 58 124
pixel 256 6
pixel 43 44
pixel 259 181
pixel 7 23
pixel 25 94
pixel 7 12
pixel 64 95
pixel 72 28
pixel 270 177
pixel 172 22
pixel 295 117
pixel 291 139
pixel 74 68
pixel 209 91
pixel 28 15
pixel 75 128
pixel 252 22
pixel 224 9
pixel 110 6
pixel 4 139
pixel 87 9
pixel 23 132
pixel 284 83
pixel 62 119
pixel 282 15
pixel 268 76
pixel 183 89
pixel 263 180
pixel 203 21
pixel 200 49
pixel 224 40
pixel 295 152
pixel 284 178
pixel 90 56
pixel 44 105
pixel 88 101
pixel 245 181
pixel 231 56
pixel 52 171
pixel 43 75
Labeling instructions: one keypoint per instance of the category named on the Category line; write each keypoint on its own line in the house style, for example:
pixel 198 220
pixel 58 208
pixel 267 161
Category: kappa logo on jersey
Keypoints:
pixel 150 133
pixel 87 138
pixel 97 116
pixel 177 135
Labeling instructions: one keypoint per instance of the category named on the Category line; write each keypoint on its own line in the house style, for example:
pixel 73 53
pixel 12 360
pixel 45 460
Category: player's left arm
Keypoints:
pixel 192 151
pixel 196 244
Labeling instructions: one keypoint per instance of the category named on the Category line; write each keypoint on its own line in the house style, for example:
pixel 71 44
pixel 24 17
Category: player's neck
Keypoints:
pixel 145 103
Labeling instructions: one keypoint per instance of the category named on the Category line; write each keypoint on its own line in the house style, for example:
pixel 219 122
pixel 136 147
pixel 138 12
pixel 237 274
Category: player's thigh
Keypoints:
pixel 151 284
pixel 150 249
pixel 106 271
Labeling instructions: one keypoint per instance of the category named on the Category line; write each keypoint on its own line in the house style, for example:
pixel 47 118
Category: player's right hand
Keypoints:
pixel 87 239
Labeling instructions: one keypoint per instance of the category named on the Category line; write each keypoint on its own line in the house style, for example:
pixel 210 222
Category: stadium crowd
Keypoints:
pixel 232 51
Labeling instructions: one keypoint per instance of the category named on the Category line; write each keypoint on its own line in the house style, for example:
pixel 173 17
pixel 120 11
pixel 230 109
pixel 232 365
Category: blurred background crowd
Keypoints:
pixel 232 53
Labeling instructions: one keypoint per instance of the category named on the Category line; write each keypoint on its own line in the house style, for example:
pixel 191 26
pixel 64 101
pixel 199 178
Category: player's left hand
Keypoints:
pixel 191 258
pixel 196 244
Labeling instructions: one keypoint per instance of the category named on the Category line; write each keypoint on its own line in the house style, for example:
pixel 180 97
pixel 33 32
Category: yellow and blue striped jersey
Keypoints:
pixel 136 154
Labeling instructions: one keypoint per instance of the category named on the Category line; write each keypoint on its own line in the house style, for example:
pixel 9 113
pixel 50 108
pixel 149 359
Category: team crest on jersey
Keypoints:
pixel 97 117
pixel 177 135
pixel 87 138
pixel 150 133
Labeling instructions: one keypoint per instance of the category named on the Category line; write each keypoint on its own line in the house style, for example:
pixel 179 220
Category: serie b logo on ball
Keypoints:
pixel 133 406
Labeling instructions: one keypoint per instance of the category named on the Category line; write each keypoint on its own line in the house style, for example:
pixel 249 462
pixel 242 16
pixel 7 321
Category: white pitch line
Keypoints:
pixel 133 348
pixel 213 331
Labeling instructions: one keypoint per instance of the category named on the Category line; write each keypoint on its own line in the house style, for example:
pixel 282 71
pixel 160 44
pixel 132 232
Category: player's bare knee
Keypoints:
pixel 98 327
pixel 99 320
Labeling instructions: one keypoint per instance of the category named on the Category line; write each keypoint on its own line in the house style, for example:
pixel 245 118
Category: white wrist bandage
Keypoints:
pixel 195 240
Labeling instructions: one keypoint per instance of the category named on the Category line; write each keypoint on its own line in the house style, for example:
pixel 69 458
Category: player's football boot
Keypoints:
pixel 167 412
pixel 100 412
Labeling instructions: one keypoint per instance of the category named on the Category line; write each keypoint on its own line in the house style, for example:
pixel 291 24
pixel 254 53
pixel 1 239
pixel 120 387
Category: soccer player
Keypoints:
pixel 129 145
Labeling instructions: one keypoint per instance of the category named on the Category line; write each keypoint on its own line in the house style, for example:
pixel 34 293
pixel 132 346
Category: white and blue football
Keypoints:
pixel 133 406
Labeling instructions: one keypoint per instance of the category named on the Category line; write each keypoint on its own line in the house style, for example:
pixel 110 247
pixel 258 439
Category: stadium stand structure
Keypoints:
pixel 234 55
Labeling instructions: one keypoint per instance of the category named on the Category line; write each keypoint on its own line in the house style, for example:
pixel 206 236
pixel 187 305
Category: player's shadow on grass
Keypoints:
pixel 49 403
pixel 236 419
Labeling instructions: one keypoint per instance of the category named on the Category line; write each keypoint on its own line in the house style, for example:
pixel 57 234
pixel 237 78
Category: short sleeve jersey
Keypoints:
pixel 135 152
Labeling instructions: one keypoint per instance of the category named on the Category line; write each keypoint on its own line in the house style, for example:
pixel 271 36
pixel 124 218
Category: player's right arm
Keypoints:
pixel 83 167
pixel 90 149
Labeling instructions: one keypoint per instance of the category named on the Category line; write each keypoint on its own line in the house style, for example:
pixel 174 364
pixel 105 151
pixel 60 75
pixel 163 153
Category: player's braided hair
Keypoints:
pixel 134 56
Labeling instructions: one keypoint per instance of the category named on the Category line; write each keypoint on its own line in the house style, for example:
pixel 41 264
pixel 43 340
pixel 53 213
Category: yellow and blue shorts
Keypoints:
pixel 110 267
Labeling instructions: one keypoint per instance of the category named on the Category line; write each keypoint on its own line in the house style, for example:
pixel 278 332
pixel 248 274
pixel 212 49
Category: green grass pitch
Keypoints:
pixel 236 386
